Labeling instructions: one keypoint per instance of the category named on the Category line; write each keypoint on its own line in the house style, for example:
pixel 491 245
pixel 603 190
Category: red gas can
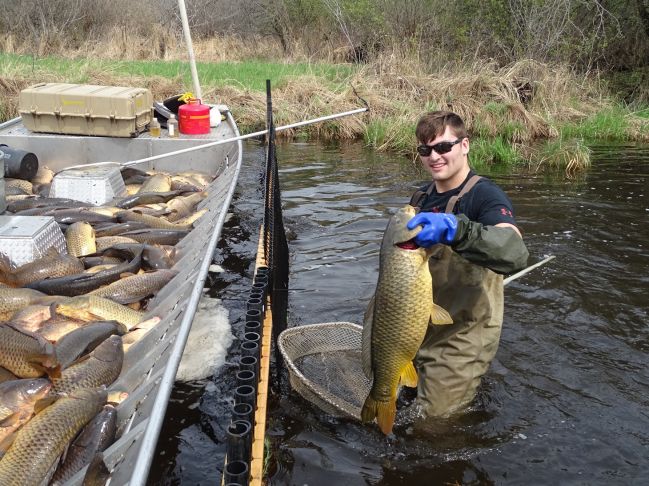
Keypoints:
pixel 194 118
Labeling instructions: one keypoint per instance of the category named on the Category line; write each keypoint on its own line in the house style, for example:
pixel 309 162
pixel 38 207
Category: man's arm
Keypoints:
pixel 499 247
pixel 508 225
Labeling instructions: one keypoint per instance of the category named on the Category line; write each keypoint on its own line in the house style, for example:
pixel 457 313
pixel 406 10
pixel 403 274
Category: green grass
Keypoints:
pixel 395 134
pixel 570 155
pixel 251 74
pixel 487 152
pixel 610 125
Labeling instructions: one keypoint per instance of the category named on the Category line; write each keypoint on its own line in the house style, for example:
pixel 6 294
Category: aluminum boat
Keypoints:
pixel 150 365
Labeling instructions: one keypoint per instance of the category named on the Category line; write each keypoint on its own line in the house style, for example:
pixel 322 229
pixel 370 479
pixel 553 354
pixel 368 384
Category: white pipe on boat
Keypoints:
pixel 527 270
pixel 243 137
pixel 190 48
pixel 221 142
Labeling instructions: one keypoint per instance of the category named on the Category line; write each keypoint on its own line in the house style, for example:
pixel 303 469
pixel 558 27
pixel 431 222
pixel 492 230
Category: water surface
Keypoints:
pixel 566 399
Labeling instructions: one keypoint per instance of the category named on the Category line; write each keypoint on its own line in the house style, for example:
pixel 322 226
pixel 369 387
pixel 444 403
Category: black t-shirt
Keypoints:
pixel 485 203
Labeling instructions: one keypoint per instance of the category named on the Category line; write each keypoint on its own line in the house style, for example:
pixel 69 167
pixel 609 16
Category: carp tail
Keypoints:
pixel 385 413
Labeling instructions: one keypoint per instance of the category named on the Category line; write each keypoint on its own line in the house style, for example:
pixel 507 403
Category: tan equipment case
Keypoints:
pixel 82 109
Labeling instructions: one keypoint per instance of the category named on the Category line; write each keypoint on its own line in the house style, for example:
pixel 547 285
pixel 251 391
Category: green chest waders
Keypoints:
pixel 453 358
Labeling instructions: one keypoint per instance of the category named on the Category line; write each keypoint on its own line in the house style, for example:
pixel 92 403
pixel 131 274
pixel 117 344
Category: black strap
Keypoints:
pixel 420 196
pixel 454 200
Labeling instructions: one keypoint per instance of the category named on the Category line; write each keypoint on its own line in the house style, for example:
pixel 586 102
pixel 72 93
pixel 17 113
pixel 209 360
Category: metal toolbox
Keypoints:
pixel 81 109
pixel 94 185
pixel 25 238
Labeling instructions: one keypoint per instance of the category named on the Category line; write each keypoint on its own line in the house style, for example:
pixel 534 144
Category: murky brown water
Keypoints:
pixel 566 399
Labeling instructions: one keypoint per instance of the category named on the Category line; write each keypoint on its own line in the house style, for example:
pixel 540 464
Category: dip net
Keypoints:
pixel 325 366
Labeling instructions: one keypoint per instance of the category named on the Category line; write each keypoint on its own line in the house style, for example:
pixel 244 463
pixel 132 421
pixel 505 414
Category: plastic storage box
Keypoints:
pixel 94 185
pixel 25 238
pixel 81 109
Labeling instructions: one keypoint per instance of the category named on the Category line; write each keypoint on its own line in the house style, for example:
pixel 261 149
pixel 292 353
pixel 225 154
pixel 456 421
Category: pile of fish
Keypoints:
pixel 66 320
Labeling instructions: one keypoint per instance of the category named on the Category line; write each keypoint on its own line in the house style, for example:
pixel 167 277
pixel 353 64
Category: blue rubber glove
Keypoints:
pixel 436 228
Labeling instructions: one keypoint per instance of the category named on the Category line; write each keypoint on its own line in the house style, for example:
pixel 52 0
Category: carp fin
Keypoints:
pixel 54 372
pixel 9 420
pixel 97 472
pixel 439 316
pixel 366 342
pixel 385 413
pixel 409 376
pixel 6 442
pixel 43 403
pixel 6 273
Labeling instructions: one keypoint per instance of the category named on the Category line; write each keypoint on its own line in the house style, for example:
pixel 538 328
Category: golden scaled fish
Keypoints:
pixel 44 175
pixel 135 287
pixel 17 399
pixel 26 354
pixel 156 183
pixel 85 339
pixel 107 241
pixel 57 327
pixel 21 184
pixel 199 177
pixel 6 375
pixel 93 439
pixel 132 189
pixel 192 218
pixel 80 239
pixel 32 317
pixel 13 300
pixel 93 308
pixel 40 442
pixel 99 368
pixel 396 321
pixel 51 265
pixel 182 206
pixel 150 221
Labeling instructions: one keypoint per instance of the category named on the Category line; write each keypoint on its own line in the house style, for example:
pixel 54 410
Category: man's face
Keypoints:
pixel 445 167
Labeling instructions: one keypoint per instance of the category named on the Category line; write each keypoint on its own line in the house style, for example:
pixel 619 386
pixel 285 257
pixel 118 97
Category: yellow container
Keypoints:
pixel 81 109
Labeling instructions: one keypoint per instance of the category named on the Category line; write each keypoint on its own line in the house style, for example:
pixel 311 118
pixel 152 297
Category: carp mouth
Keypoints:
pixel 408 245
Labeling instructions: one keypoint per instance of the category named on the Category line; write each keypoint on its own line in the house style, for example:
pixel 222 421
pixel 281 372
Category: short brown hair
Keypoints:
pixel 433 124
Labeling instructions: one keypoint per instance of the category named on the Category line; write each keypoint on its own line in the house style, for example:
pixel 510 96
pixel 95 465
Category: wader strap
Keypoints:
pixel 419 196
pixel 452 202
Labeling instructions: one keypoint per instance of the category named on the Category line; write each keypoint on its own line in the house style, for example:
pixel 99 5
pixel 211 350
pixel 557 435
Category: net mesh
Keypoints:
pixel 325 366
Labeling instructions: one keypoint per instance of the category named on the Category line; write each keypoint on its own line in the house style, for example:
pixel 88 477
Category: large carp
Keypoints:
pixel 397 319
pixel 17 399
pixel 26 354
pixel 41 441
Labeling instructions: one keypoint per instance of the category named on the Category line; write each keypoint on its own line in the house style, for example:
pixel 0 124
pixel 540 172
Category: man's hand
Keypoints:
pixel 436 228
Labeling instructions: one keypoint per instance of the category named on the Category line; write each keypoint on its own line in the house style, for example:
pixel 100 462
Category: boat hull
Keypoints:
pixel 150 365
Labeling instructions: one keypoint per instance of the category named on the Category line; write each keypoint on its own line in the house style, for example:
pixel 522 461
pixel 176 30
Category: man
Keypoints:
pixel 470 223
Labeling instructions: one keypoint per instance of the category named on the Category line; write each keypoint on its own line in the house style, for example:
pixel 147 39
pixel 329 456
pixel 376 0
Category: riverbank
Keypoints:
pixel 526 113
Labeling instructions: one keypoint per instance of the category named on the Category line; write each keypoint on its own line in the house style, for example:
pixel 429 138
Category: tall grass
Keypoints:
pixel 611 124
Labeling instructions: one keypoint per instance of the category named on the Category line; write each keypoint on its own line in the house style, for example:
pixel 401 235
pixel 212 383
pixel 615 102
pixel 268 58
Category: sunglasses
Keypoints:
pixel 440 148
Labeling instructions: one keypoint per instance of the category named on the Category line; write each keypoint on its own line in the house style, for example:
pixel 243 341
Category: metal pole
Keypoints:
pixel 221 142
pixel 527 270
pixel 244 137
pixel 190 48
